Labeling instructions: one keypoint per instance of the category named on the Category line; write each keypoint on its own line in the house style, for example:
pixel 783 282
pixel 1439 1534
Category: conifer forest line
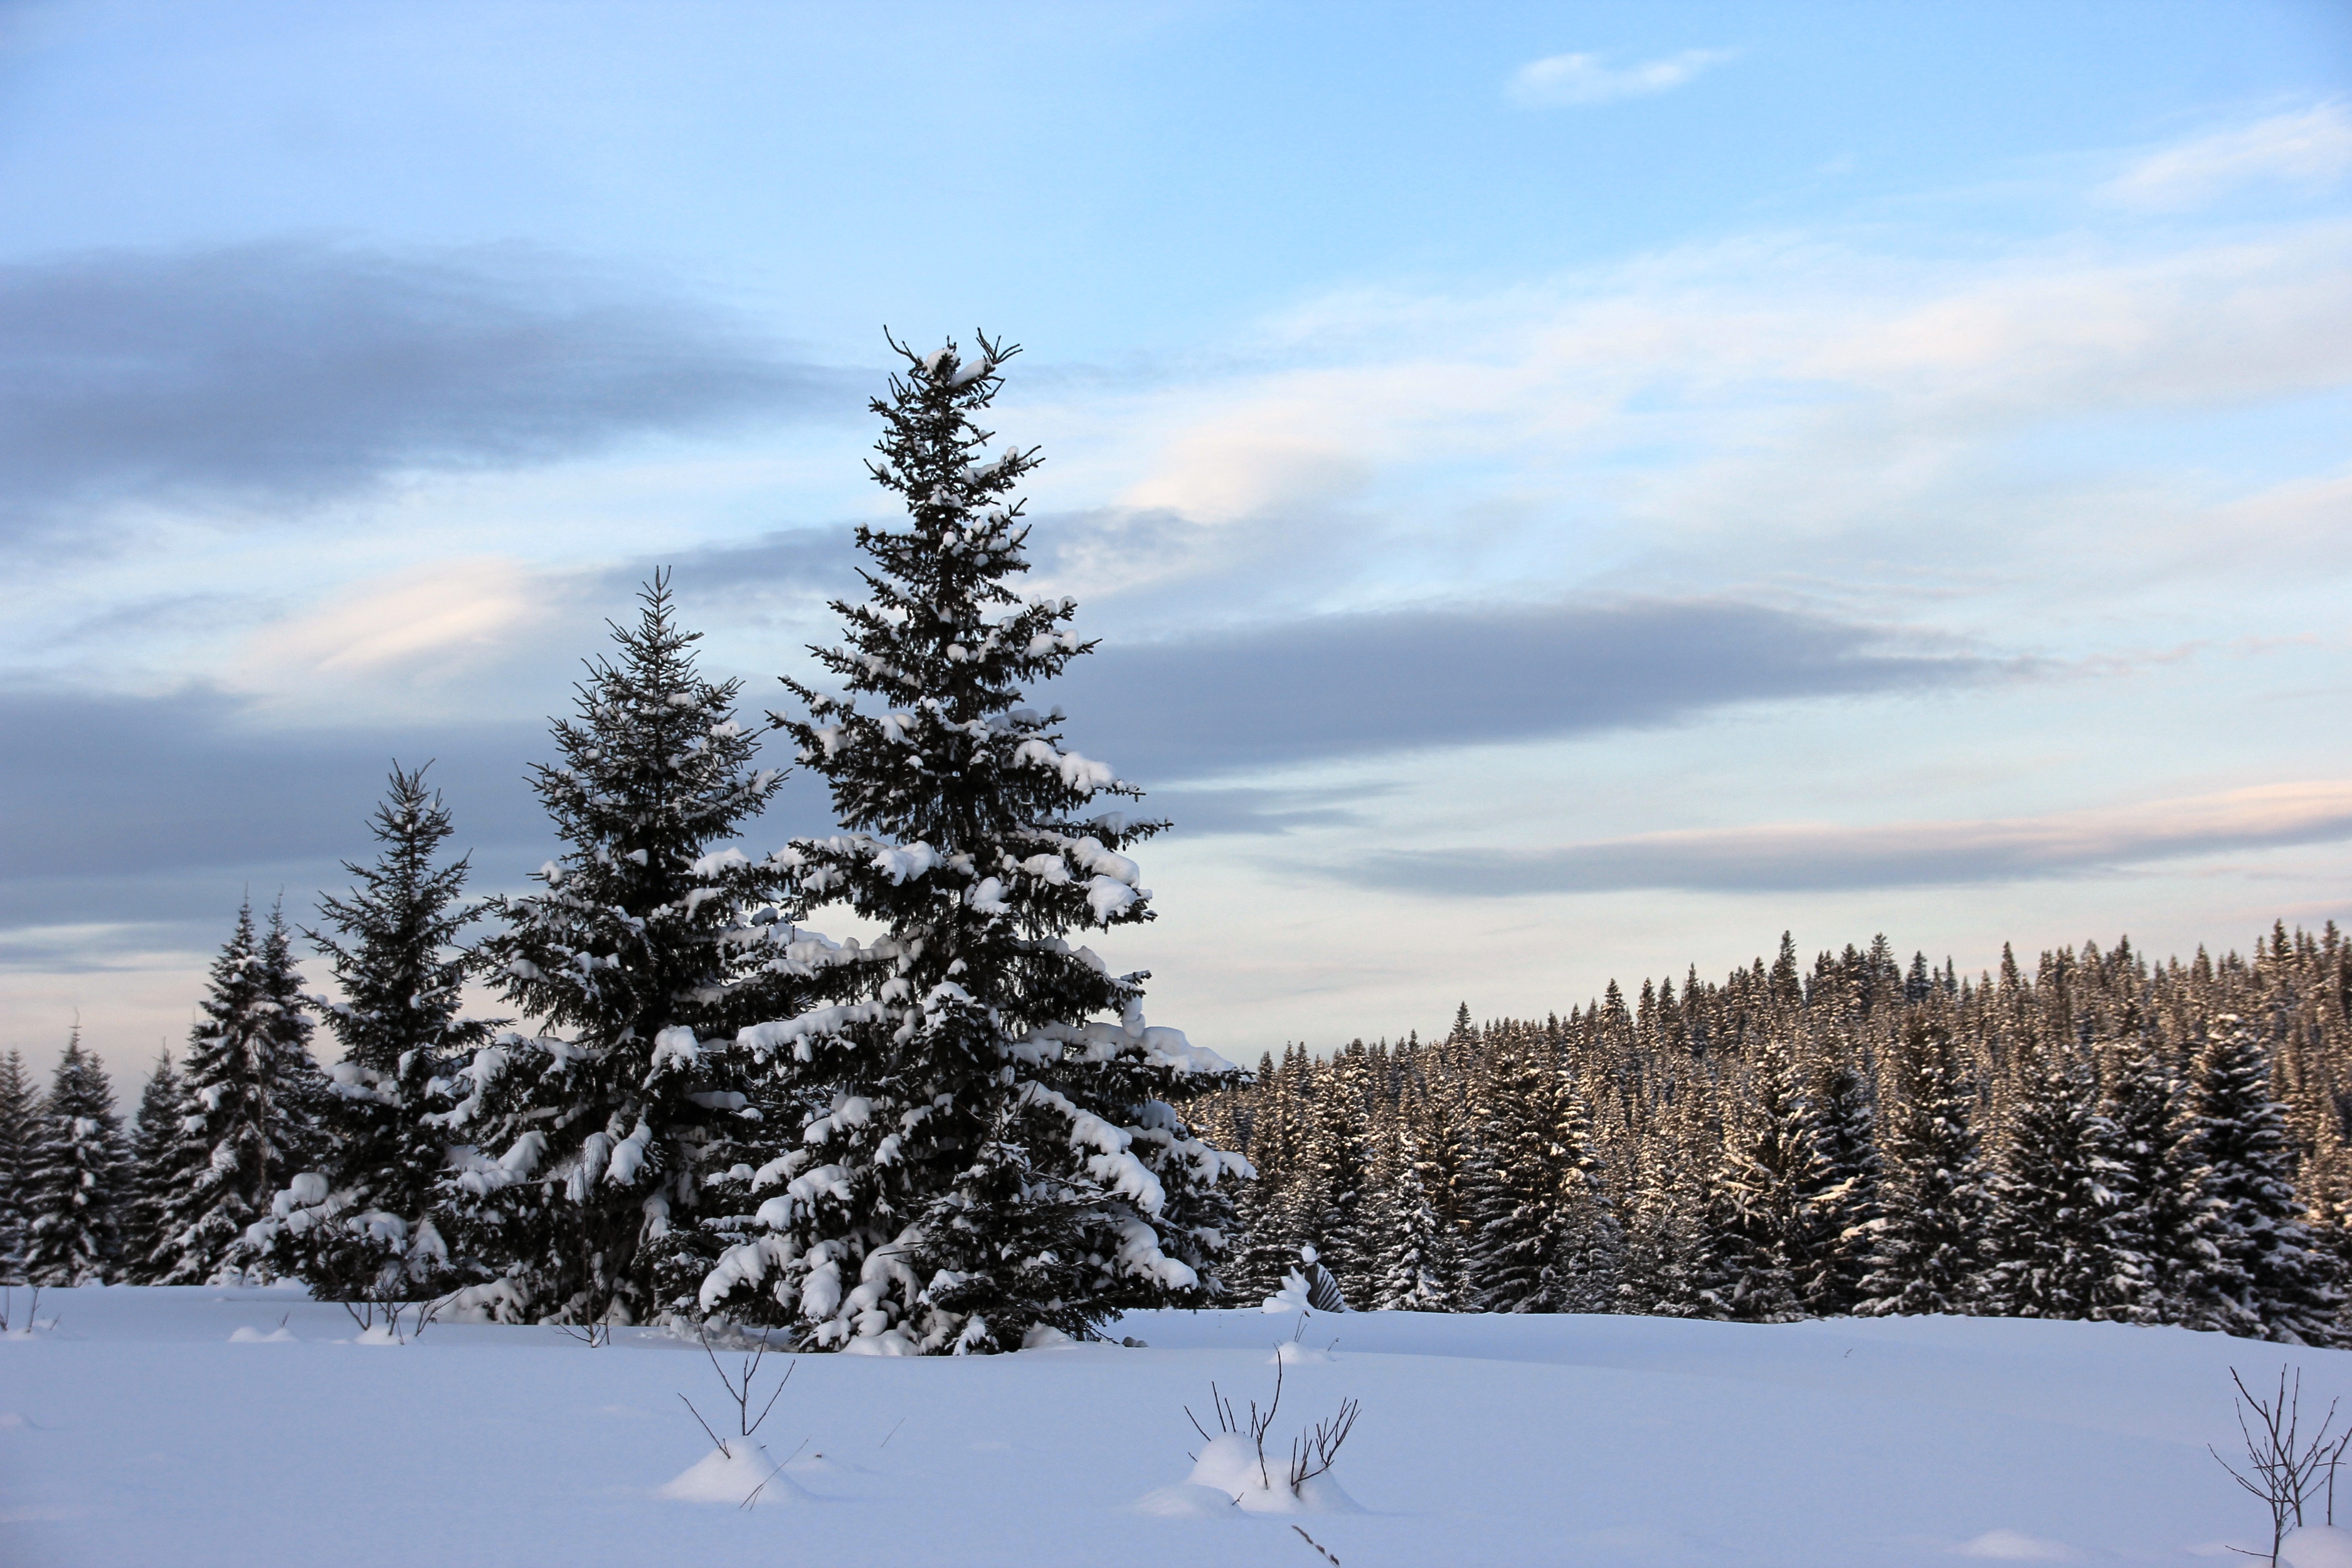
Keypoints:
pixel 2101 1137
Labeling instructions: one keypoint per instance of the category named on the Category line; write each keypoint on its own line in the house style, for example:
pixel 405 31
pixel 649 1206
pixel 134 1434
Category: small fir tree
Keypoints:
pixel 74 1188
pixel 1929 1254
pixel 147 1199
pixel 2056 1243
pixel 19 1128
pixel 361 1225
pixel 1585 1262
pixel 583 1153
pixel 2164 1217
pixel 983 1155
pixel 1334 1176
pixel 1770 1226
pixel 1418 1261
pixel 1669 1260
pixel 2244 1166
pixel 1848 1202
pixel 248 1121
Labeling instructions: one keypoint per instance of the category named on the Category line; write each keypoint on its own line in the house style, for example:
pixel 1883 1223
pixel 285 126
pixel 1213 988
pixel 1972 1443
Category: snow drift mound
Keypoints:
pixel 1230 1475
pixel 733 1475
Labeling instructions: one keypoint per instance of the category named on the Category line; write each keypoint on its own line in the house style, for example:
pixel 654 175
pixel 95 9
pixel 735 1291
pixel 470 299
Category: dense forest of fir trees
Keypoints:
pixel 962 1136
pixel 2104 1137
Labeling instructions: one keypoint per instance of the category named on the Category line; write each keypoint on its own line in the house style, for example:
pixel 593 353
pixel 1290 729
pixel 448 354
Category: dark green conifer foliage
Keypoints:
pixel 2270 1280
pixel 2164 1216
pixel 984 1157
pixel 582 1150
pixel 369 1233
pixel 1769 1229
pixel 19 1127
pixel 154 1132
pixel 1543 1234
pixel 1419 1262
pixel 1929 1258
pixel 73 1189
pixel 1262 1206
pixel 1848 1202
pixel 1335 1171
pixel 2054 1236
pixel 252 1095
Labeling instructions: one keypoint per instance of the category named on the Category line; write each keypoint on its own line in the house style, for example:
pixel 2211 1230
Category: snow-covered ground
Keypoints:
pixel 186 1427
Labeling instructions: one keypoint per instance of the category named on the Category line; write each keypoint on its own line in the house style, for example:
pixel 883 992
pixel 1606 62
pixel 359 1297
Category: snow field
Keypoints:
pixel 146 1427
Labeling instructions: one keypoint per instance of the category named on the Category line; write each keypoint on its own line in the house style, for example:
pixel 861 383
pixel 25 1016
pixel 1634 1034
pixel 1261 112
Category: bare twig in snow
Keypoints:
pixel 2287 1469
pixel 1319 1550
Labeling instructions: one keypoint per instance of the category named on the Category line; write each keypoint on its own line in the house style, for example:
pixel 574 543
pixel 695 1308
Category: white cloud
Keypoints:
pixel 1781 857
pixel 1715 411
pixel 1584 78
pixel 427 624
pixel 2311 147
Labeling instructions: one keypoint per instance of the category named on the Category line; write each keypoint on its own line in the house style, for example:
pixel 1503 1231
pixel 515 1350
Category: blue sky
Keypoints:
pixel 1566 490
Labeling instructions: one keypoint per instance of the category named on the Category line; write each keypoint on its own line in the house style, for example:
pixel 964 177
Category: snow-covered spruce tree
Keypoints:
pixel 73 1190
pixel 1768 1223
pixel 2163 1214
pixel 247 1119
pixel 1586 1259
pixel 2055 1239
pixel 146 1199
pixel 359 1224
pixel 1848 1204
pixel 1545 1236
pixel 1669 1257
pixel 1418 1258
pixel 1267 1237
pixel 2244 1168
pixel 1333 1169
pixel 1512 1181
pixel 581 1153
pixel 1928 1254
pixel 19 1107
pixel 985 1156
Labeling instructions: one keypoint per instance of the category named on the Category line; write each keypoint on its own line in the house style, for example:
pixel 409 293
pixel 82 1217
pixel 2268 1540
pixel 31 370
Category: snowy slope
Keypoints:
pixel 139 1430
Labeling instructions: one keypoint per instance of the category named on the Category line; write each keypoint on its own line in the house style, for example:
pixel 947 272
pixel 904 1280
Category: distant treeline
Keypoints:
pixel 2103 1137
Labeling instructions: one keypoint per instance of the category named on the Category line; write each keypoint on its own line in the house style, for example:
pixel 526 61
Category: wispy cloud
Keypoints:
pixel 436 620
pixel 1811 857
pixel 285 372
pixel 1330 687
pixel 2311 147
pixel 1583 78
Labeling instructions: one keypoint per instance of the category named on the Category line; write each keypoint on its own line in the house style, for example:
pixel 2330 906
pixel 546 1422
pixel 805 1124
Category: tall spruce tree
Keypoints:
pixel 582 1154
pixel 2056 1239
pixel 362 1226
pixel 984 1156
pixel 19 1127
pixel 1929 1252
pixel 147 1198
pixel 251 1098
pixel 2284 1288
pixel 74 1188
